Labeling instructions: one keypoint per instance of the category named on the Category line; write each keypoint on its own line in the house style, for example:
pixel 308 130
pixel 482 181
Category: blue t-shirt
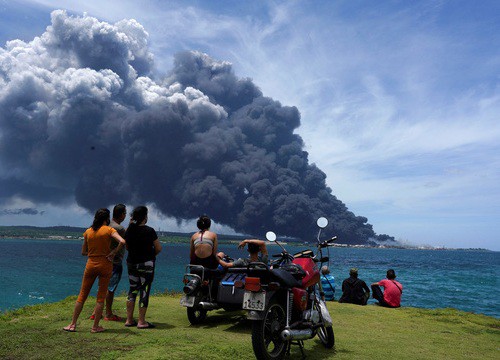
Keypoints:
pixel 328 284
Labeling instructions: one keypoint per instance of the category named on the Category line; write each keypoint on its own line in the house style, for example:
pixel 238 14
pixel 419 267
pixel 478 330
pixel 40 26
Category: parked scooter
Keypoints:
pixel 286 302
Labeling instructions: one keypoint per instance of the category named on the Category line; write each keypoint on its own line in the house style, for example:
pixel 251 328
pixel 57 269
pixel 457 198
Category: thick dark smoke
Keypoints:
pixel 81 116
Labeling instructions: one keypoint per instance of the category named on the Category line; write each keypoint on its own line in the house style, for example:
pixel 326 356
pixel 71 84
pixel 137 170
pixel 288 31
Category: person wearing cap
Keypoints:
pixel 327 283
pixel 391 296
pixel 354 290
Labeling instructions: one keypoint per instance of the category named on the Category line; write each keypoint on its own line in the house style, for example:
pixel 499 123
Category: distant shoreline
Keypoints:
pixel 226 239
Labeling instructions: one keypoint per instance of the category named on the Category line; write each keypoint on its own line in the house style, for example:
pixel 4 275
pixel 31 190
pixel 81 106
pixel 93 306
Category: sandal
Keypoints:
pixel 70 328
pixel 133 323
pixel 148 326
pixel 113 318
pixel 97 330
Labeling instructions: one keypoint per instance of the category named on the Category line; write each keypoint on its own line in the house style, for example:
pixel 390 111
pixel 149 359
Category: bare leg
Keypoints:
pixel 109 303
pixel 76 314
pixel 142 316
pixel 130 312
pixel 98 314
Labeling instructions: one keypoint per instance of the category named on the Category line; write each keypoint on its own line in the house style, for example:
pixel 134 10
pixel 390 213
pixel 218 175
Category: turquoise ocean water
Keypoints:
pixel 38 271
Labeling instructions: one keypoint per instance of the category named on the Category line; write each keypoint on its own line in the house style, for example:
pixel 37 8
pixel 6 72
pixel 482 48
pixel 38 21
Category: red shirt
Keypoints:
pixel 392 294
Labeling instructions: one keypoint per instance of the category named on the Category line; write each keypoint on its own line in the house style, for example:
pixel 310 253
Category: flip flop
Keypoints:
pixel 70 328
pixel 113 318
pixel 134 323
pixel 98 329
pixel 148 326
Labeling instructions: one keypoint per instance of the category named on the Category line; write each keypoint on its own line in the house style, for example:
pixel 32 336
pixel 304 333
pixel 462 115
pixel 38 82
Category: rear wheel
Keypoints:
pixel 266 334
pixel 196 316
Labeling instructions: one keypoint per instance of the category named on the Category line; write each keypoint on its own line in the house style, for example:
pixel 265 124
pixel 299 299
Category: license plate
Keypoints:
pixel 187 301
pixel 254 300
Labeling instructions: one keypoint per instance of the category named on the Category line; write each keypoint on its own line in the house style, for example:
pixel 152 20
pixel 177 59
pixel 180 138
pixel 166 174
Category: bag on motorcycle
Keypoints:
pixel 325 314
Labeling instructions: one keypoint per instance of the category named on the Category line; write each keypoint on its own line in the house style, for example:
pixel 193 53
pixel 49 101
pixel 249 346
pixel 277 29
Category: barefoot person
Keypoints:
pixel 96 245
pixel 143 246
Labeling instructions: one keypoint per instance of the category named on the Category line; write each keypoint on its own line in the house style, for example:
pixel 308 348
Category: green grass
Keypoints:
pixel 368 332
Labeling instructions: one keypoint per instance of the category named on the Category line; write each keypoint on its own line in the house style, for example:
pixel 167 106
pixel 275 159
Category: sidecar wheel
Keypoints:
pixel 196 316
pixel 266 334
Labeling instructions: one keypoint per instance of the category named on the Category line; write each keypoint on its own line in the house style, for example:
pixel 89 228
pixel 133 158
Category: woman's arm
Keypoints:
pixel 85 247
pixel 157 246
pixel 121 243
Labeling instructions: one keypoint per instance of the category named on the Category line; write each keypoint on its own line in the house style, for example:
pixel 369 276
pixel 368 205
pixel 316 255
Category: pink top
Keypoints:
pixel 392 294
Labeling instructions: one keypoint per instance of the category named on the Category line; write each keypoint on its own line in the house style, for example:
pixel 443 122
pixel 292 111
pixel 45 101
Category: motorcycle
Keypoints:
pixel 286 302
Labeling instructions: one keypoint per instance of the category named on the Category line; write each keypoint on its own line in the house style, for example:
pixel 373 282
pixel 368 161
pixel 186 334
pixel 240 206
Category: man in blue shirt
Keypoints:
pixel 328 283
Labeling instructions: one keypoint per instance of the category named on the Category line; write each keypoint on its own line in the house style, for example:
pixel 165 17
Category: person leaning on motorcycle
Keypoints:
pixel 257 252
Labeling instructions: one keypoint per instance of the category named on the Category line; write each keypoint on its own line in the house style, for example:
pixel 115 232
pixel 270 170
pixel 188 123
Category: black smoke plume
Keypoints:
pixel 83 117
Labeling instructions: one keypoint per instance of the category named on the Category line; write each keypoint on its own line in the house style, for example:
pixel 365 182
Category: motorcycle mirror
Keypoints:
pixel 271 236
pixel 322 222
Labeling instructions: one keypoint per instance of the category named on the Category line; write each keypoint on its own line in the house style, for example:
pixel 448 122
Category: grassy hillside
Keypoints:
pixel 369 332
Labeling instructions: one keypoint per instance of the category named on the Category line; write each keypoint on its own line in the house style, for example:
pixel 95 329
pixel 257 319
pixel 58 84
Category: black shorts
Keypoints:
pixel 208 262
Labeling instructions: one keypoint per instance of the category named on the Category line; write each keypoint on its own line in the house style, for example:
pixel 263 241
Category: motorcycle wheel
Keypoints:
pixel 325 333
pixel 266 334
pixel 196 316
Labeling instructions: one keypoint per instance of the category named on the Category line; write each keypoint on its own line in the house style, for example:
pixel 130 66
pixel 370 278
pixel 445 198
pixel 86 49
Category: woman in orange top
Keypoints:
pixel 96 245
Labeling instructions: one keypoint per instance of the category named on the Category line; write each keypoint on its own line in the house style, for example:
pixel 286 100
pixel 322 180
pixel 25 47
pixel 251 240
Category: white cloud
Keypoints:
pixel 390 109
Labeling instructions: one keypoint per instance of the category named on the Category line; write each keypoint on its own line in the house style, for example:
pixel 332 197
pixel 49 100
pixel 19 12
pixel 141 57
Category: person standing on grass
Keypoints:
pixel 143 246
pixel 119 214
pixel 391 296
pixel 96 245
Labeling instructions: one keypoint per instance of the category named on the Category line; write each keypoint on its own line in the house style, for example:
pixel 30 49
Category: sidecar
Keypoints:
pixel 207 289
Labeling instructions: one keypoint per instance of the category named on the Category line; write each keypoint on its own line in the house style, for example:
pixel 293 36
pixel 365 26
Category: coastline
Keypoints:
pixel 225 239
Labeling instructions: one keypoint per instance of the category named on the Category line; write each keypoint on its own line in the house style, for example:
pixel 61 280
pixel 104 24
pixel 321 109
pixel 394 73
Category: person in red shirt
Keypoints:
pixel 391 296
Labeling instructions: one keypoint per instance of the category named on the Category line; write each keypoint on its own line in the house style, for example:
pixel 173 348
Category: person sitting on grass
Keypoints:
pixel 391 296
pixel 257 252
pixel 327 283
pixel 354 290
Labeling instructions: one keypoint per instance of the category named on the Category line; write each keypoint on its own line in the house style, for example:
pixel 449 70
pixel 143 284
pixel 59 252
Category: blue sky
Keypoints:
pixel 400 101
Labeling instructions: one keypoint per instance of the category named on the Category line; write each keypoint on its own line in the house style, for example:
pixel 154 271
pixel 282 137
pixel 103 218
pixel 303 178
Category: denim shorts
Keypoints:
pixel 115 277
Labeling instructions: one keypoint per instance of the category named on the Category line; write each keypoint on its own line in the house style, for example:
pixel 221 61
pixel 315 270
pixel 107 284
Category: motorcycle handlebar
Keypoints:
pixel 327 242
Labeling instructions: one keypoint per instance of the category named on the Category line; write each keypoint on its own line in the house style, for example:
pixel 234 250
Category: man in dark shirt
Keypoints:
pixel 354 290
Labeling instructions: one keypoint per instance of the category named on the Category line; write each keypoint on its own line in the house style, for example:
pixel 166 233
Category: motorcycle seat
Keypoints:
pixel 284 277
pixel 209 273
